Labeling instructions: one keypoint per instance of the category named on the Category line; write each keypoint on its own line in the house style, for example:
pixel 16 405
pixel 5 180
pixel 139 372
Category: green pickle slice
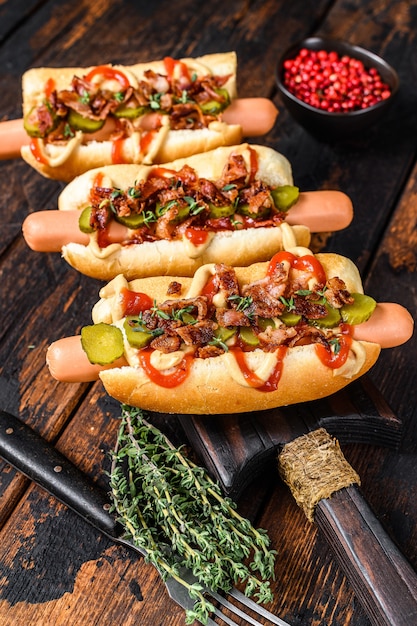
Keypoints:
pixel 130 112
pixel 84 221
pixel 360 311
pixel 331 320
pixel 224 334
pixel 285 197
pixel 132 221
pixel 85 124
pixel 103 343
pixel 136 335
pixel 248 336
pixel 214 107
pixel 31 124
pixel 290 319
pixel 221 211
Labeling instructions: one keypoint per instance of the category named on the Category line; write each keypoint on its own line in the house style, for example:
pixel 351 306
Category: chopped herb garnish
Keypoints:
pixel 216 341
pixel 155 101
pixel 335 343
pixel 288 303
pixel 133 192
pixel 171 508
pixel 68 132
pixel 195 208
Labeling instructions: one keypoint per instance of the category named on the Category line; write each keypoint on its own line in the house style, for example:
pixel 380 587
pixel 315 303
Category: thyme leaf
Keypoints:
pixel 171 507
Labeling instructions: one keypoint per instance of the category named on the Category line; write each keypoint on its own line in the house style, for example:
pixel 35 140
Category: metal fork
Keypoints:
pixel 32 455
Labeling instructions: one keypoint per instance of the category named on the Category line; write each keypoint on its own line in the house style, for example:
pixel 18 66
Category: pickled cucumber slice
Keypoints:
pixel 137 335
pixel 32 124
pixel 214 107
pixel 331 320
pixel 130 112
pixel 290 319
pixel 103 343
pixel 248 336
pixel 285 197
pixel 85 124
pixel 262 212
pixel 221 211
pixel 132 221
pixel 84 221
pixel 224 334
pixel 360 311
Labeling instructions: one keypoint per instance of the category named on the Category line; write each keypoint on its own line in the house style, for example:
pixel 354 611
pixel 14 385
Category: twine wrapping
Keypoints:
pixel 313 466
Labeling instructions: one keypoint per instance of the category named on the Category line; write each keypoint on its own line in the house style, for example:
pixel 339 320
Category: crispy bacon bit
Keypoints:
pixel 336 293
pixel 235 171
pixel 271 338
pixel 200 333
pixel 174 288
pixel 231 317
pixel 198 304
pixel 226 281
pixel 207 352
pixel 309 307
pixel 166 343
pixel 266 294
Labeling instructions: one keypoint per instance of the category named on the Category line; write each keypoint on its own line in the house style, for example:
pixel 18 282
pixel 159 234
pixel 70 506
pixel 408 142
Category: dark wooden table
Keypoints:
pixel 55 569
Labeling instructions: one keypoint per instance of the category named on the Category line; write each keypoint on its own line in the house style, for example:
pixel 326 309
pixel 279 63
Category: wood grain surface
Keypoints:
pixel 56 570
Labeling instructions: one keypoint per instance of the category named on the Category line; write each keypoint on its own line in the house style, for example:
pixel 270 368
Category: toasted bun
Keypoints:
pixel 214 385
pixel 209 389
pixel 66 162
pixel 237 248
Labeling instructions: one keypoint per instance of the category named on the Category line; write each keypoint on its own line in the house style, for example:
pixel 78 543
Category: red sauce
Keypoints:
pixel 307 263
pixel 175 378
pixel 332 359
pixel 134 302
pixel 253 164
pixel 49 87
pixel 103 237
pixel 117 151
pixel 98 179
pixel 252 379
pixel 196 235
pixel 35 148
pixel 163 172
pixel 171 64
pixel 280 257
pixel 109 73
pixel 210 289
pixel 146 140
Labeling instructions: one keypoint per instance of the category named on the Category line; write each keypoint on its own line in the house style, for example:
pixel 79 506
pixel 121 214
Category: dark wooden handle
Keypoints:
pixel 32 455
pixel 382 579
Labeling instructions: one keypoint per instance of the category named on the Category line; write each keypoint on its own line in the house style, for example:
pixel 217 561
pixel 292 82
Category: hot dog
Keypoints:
pixel 80 118
pixel 256 116
pixel 233 340
pixel 233 203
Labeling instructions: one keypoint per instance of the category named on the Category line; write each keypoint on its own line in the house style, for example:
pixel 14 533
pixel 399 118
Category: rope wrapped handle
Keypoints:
pixel 314 467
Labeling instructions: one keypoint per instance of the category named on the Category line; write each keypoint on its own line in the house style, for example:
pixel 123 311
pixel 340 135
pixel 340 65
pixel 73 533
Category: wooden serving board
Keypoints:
pixel 237 448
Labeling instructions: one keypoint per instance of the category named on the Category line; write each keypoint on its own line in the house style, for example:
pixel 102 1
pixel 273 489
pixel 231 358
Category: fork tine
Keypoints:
pixel 256 608
pixel 234 609
pixel 248 603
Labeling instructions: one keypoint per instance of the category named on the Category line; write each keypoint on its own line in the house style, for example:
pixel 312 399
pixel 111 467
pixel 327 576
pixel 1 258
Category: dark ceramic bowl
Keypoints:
pixel 327 125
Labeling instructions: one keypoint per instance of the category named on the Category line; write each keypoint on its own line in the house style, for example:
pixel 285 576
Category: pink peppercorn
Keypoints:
pixel 333 83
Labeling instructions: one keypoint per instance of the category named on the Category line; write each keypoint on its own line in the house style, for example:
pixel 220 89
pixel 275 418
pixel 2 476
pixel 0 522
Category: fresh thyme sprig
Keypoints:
pixel 171 507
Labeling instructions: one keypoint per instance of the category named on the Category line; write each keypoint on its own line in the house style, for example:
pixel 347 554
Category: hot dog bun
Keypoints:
pixel 67 159
pixel 178 256
pixel 216 384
